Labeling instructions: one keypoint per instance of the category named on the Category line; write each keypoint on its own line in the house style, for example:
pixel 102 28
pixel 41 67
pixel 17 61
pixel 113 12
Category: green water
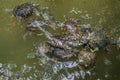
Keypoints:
pixel 16 53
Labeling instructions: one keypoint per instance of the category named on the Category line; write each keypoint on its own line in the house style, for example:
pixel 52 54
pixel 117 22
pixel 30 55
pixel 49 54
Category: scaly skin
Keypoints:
pixel 35 23
pixel 72 30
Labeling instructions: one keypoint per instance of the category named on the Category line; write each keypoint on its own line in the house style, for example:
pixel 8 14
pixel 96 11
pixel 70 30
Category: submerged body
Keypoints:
pixel 35 23
pixel 46 15
pixel 59 53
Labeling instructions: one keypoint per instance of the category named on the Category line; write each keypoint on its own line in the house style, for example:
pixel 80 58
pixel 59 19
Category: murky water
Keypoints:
pixel 17 53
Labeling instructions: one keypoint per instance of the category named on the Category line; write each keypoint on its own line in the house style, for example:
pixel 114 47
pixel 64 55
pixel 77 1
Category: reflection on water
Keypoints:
pixel 17 59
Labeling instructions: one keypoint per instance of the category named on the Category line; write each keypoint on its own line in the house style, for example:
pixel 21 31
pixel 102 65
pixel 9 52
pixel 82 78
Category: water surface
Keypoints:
pixel 17 53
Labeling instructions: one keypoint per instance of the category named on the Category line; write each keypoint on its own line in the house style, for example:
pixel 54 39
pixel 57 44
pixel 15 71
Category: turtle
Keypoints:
pixel 86 58
pixel 25 10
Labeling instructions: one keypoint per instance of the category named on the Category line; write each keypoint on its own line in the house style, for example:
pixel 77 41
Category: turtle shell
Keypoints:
pixel 86 58
pixel 24 10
